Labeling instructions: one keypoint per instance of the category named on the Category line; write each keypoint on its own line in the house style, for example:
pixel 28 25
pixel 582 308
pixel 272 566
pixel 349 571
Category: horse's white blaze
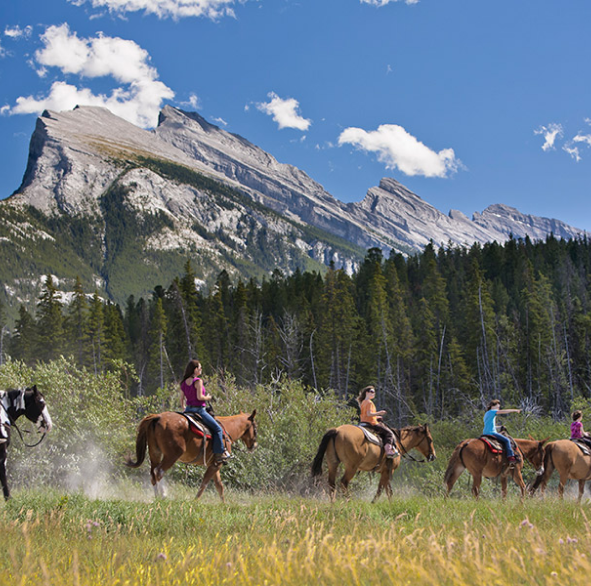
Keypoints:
pixel 540 471
pixel 44 421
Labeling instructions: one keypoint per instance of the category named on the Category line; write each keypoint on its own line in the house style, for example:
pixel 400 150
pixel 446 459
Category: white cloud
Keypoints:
pixel 16 32
pixel 213 9
pixel 583 138
pixel 284 112
pixel 398 149
pixel 384 2
pixel 550 134
pixel 220 121
pixel 572 151
pixel 2 51
pixel 140 99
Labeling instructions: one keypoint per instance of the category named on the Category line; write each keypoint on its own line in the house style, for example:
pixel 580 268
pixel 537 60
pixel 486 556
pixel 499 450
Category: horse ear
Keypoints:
pixel 544 440
pixel 34 389
pixel 251 417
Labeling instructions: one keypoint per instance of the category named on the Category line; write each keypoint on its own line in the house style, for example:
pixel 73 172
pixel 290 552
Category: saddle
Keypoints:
pixel 495 446
pixel 583 445
pixel 197 426
pixel 372 438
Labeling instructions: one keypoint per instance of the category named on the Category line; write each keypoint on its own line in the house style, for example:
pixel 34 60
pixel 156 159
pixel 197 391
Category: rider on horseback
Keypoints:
pixel 372 419
pixel 490 427
pixel 193 400
pixel 576 429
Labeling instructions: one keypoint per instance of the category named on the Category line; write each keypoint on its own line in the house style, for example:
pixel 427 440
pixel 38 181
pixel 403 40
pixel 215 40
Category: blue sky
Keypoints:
pixel 467 103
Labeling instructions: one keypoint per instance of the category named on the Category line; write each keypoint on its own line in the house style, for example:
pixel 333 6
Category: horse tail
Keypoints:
pixel 548 469
pixel 456 458
pixel 142 441
pixel 317 463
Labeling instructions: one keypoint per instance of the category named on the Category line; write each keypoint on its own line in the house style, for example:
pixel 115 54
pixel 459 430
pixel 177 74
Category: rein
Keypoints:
pixel 407 455
pixel 13 424
pixel 23 439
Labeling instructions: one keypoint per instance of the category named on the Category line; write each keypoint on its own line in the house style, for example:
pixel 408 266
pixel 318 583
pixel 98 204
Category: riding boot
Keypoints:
pixel 389 450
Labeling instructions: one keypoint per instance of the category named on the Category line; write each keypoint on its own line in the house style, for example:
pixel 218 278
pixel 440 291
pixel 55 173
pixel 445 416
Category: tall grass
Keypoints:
pixel 72 540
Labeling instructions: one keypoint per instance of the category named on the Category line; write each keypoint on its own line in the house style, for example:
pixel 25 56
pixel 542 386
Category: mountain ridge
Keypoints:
pixel 143 201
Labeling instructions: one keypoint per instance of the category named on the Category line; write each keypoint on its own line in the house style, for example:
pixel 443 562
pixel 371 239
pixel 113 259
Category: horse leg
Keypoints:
pixel 217 479
pixel 384 483
pixel 3 472
pixel 453 477
pixel 332 479
pixel 477 481
pixel 350 471
pixel 561 484
pixel 518 478
pixel 581 490
pixel 159 465
pixel 503 487
pixel 211 471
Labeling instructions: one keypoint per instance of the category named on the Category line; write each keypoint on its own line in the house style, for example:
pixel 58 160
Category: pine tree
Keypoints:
pixel 77 323
pixel 50 322
pixel 96 332
pixel 23 344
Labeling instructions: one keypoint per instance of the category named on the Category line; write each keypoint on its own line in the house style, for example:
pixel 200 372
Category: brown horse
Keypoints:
pixel 473 455
pixel 169 439
pixel 348 444
pixel 566 457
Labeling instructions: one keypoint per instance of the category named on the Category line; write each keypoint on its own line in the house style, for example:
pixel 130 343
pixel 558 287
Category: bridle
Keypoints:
pixel 37 424
pixel 406 454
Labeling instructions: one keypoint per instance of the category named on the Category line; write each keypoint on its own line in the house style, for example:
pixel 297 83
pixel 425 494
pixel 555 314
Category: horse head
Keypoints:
pixel 429 449
pixel 249 436
pixel 536 457
pixel 36 409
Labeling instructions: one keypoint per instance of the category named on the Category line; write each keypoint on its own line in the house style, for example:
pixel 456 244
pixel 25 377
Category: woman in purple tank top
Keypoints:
pixel 193 400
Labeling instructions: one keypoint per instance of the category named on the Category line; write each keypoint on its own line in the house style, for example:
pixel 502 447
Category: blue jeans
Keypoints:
pixel 216 429
pixel 505 441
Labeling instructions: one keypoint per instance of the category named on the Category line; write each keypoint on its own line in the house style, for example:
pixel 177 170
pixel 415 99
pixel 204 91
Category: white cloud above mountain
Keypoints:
pixel 175 9
pixel 284 112
pixel 138 97
pixel 550 133
pixel 398 149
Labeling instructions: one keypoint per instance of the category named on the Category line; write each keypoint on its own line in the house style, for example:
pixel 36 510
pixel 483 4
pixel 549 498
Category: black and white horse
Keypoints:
pixel 14 403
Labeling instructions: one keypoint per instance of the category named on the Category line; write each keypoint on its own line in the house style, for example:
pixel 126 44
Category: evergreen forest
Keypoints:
pixel 439 333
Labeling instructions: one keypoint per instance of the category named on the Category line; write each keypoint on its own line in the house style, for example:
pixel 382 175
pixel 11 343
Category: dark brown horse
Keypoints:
pixel 566 457
pixel 348 444
pixel 473 455
pixel 168 439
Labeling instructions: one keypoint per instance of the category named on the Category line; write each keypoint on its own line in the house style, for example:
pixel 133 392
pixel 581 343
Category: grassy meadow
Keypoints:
pixel 53 538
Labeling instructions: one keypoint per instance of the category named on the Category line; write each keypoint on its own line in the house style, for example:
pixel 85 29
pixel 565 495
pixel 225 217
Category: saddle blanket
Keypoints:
pixel 495 446
pixel 372 438
pixel 492 443
pixel 583 445
pixel 197 426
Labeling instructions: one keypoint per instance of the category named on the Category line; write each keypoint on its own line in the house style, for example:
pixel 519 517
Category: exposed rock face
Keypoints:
pixel 76 155
pixel 191 189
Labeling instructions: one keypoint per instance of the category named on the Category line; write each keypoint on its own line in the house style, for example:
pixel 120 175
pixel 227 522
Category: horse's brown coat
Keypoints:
pixel 168 439
pixel 473 455
pixel 570 462
pixel 348 444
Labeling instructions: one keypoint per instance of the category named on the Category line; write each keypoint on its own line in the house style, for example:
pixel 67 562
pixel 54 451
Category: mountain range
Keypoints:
pixel 124 208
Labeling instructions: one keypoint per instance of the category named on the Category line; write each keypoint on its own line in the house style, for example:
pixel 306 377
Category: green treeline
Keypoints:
pixel 437 333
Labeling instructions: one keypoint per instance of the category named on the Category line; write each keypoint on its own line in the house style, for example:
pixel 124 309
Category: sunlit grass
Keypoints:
pixel 52 538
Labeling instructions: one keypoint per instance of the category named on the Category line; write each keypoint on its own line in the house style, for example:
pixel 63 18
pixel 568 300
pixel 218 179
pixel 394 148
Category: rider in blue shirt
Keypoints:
pixel 490 427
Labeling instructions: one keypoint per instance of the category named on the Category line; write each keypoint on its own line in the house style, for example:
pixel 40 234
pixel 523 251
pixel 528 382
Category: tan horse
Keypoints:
pixel 566 457
pixel 168 439
pixel 473 455
pixel 348 444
